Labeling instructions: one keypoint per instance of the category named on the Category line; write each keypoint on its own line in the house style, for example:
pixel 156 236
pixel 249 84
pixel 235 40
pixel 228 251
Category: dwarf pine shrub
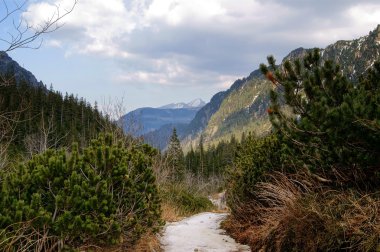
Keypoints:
pixel 103 194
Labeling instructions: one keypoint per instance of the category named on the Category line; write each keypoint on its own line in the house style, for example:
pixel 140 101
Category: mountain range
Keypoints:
pixel 242 107
pixel 152 123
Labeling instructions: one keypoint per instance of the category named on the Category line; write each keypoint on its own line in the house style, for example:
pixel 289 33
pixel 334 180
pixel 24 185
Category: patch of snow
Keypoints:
pixel 199 233
pixel 322 52
pixel 174 106
pixel 254 98
pixel 369 66
pixel 360 42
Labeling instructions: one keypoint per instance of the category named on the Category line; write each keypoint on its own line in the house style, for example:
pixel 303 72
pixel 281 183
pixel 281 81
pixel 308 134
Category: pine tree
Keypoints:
pixel 334 127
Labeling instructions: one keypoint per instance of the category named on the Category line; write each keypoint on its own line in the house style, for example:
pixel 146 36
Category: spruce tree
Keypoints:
pixel 175 158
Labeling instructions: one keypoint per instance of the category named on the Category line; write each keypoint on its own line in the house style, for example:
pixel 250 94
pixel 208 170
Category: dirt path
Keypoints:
pixel 200 233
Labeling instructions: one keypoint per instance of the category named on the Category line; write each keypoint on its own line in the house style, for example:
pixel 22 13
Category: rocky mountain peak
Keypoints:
pixel 354 56
pixel 295 54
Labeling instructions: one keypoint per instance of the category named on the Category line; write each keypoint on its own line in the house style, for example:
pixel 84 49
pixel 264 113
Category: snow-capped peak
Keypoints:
pixel 197 103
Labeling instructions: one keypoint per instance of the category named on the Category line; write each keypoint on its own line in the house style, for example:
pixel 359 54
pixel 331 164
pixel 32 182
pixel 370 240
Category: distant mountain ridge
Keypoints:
pixel 154 124
pixel 197 103
pixel 9 66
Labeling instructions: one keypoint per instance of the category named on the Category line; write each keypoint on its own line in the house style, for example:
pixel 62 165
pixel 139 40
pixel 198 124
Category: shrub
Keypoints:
pixel 254 158
pixel 335 127
pixel 105 194
pixel 331 137
pixel 186 200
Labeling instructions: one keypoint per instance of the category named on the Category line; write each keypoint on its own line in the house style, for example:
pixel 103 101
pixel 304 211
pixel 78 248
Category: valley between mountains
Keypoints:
pixel 285 159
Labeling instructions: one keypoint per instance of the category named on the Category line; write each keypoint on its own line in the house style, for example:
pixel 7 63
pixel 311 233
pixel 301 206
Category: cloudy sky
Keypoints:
pixel 154 52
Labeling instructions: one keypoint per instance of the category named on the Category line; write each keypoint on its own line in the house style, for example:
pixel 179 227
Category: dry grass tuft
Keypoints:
pixel 170 212
pixel 296 213
pixel 148 243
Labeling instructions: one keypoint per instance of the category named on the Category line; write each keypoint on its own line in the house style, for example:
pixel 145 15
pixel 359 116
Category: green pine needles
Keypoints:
pixel 334 127
pixel 103 194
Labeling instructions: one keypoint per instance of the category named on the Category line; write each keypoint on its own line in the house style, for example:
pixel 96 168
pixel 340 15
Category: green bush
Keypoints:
pixel 186 200
pixel 334 129
pixel 254 158
pixel 102 195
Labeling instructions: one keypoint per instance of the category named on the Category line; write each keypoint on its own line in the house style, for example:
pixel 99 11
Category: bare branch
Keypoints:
pixel 10 12
pixel 24 34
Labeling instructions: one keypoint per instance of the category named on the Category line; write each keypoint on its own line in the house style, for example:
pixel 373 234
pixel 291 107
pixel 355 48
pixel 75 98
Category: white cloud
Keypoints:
pixel 225 81
pixel 199 42
pixel 54 43
pixel 177 12
pixel 365 14
pixel 103 27
pixel 99 24
pixel 166 72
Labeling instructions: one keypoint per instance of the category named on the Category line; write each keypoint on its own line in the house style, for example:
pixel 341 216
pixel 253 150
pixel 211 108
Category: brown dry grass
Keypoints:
pixel 296 213
pixel 147 243
pixel 170 212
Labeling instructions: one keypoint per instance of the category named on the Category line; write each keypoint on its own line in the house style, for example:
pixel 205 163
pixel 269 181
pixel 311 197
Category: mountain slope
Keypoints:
pixel 10 67
pixel 160 137
pixel 203 116
pixel 243 107
pixel 241 111
pixel 35 118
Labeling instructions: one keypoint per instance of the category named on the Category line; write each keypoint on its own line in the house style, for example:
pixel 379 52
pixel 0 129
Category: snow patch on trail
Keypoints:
pixel 200 233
